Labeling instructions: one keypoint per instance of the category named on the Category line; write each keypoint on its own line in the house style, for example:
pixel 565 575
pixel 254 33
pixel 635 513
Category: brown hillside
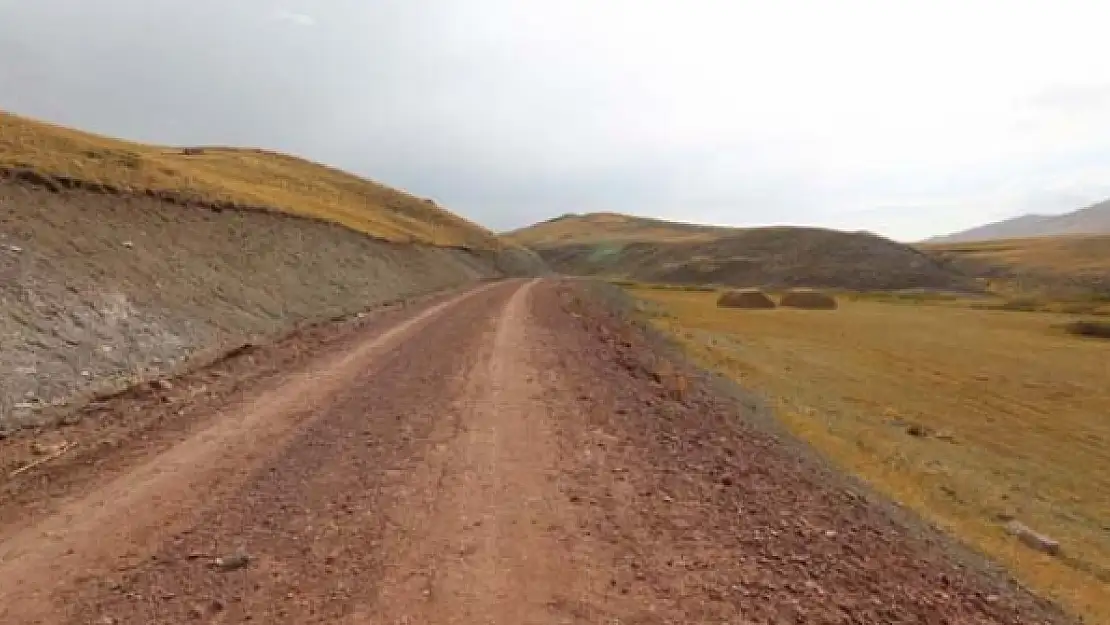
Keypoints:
pixel 610 227
pixel 1060 265
pixel 246 178
pixel 658 251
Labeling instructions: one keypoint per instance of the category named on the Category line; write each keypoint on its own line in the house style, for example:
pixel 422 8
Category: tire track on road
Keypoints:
pixel 488 524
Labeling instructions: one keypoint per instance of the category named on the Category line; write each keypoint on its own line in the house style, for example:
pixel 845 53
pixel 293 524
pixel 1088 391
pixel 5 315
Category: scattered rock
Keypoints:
pixel 917 430
pixel 947 437
pixel 196 612
pixel 44 449
pixel 232 562
pixel 1033 539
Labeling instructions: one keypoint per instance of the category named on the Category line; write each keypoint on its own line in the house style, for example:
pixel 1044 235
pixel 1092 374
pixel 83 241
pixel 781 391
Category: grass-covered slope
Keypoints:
pixel 609 228
pixel 233 176
pixel 1060 265
pixel 970 416
pixel 651 250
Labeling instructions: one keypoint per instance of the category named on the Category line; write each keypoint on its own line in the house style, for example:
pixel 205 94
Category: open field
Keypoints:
pixel 968 416
pixel 234 175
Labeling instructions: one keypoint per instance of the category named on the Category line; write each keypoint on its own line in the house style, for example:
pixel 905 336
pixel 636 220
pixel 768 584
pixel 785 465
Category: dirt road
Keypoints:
pixel 511 454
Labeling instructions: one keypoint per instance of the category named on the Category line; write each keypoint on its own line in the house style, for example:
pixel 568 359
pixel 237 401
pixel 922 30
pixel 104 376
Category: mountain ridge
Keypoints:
pixel 1093 219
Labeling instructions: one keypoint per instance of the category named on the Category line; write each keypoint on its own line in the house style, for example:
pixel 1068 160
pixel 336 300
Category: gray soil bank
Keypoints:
pixel 98 291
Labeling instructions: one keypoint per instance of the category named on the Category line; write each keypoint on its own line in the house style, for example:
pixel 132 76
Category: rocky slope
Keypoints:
pixel 99 290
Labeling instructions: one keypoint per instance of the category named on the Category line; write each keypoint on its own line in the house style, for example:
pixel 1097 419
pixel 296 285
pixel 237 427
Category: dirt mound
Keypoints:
pixel 808 299
pixel 745 298
pixel 772 258
pixel 98 290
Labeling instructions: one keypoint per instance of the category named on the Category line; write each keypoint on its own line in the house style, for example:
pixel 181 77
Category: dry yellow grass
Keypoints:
pixel 243 176
pixel 1018 410
pixel 1064 255
pixel 612 228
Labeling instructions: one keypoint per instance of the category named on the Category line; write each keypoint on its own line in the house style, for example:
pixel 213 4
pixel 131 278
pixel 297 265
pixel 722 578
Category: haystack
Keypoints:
pixel 745 298
pixel 808 299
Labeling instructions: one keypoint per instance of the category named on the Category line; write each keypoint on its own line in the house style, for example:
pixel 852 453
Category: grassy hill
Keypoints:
pixel 1071 254
pixel 1062 264
pixel 611 227
pixel 247 178
pixel 651 250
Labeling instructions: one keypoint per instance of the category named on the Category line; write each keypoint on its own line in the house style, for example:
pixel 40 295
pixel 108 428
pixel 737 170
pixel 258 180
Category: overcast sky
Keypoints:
pixel 905 118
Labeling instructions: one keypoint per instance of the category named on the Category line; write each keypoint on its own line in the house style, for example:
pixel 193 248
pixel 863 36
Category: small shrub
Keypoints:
pixel 1096 329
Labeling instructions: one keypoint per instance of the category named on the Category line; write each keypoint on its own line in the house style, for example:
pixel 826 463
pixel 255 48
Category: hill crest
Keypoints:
pixel 654 250
pixel 1094 219
pixel 227 176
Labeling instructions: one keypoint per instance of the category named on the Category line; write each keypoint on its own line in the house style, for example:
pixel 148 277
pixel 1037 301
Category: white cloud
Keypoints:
pixel 300 19
pixel 906 118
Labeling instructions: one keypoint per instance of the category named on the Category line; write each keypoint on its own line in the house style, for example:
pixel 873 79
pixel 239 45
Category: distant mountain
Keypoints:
pixel 1091 220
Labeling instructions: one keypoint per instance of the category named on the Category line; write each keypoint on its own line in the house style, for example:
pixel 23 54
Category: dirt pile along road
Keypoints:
pixel 498 455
